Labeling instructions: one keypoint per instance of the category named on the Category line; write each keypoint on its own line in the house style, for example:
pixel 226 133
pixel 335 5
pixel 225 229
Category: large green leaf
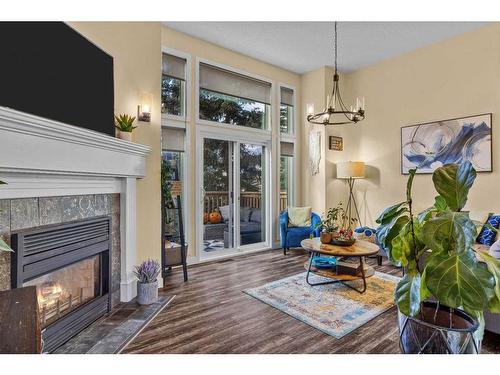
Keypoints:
pixel 401 249
pixel 407 294
pixel 453 181
pixel 404 247
pixel 457 280
pixel 386 233
pixel 493 265
pixel 449 231
pixel 391 212
pixel 440 203
pixel 4 246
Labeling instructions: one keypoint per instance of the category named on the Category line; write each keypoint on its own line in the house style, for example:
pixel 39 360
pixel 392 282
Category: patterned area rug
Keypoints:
pixel 334 309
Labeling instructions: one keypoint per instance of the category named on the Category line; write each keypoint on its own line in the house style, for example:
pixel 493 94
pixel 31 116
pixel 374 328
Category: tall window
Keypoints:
pixel 286 110
pixel 173 85
pixel 232 98
pixel 286 175
pixel 173 166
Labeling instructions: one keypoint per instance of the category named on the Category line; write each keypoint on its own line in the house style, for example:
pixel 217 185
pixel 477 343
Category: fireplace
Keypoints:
pixel 70 266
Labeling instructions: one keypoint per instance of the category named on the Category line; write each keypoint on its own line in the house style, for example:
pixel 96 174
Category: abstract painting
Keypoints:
pixel 314 151
pixel 431 145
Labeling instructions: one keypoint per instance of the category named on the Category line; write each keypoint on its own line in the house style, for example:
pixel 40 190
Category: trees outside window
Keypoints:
pixel 233 110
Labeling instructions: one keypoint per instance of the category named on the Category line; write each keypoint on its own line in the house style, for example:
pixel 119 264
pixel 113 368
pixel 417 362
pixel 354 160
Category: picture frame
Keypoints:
pixel 336 143
pixel 432 144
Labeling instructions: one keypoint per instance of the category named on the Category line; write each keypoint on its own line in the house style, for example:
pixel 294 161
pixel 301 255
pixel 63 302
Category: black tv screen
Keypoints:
pixel 50 70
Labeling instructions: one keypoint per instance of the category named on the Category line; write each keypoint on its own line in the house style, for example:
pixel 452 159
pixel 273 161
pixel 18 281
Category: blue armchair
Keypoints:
pixel 291 236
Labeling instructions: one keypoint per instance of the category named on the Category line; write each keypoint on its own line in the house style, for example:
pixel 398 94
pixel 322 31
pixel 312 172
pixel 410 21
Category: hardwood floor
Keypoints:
pixel 211 314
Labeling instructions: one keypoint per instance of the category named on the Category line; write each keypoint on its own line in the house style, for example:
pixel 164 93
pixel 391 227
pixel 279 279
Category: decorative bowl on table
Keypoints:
pixel 343 241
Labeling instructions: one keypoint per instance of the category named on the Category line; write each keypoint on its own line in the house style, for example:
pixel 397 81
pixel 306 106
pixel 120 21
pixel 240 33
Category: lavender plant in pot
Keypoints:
pixel 147 281
pixel 447 284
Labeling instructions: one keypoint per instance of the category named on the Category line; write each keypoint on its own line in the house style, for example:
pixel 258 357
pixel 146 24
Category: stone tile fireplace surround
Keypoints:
pixel 57 173
pixel 27 213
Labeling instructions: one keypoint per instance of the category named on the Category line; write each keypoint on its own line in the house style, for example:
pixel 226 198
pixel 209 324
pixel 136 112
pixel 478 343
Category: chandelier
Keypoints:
pixel 336 112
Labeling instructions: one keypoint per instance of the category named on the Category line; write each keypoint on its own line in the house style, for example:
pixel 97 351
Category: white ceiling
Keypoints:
pixel 305 46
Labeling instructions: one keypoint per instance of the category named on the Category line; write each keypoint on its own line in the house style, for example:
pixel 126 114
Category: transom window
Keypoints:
pixel 231 98
pixel 286 110
pixel 173 85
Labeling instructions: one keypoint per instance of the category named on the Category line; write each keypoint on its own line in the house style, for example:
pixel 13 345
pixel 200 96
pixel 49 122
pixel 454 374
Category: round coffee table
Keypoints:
pixel 359 249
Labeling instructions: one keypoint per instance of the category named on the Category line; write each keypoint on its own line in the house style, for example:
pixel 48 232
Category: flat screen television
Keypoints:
pixel 50 70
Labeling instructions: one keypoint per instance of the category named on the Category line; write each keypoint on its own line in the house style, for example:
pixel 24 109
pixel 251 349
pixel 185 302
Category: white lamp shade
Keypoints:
pixel 351 169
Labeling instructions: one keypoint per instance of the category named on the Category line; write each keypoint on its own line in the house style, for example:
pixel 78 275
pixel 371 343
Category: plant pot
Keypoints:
pixel 147 293
pixel 126 136
pixel 325 237
pixel 438 329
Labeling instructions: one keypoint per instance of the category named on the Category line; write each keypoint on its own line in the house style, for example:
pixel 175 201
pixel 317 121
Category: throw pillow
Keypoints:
pixel 224 211
pixel 487 236
pixel 299 216
pixel 245 213
pixel 495 250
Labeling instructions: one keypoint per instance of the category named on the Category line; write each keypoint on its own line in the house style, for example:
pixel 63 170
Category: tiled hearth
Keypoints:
pixel 33 212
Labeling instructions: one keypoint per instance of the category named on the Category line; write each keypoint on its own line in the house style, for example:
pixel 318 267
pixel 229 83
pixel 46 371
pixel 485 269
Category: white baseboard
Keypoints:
pixel 128 290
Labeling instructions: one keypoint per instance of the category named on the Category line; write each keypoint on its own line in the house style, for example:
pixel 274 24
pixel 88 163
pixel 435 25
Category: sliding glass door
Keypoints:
pixel 233 198
pixel 252 223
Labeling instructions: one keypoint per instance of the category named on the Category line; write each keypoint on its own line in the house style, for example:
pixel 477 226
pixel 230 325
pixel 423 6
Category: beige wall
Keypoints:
pixel 456 77
pixel 135 47
pixel 314 91
pixel 200 49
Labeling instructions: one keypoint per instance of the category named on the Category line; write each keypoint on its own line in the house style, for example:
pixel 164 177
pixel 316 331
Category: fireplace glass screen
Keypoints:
pixel 64 290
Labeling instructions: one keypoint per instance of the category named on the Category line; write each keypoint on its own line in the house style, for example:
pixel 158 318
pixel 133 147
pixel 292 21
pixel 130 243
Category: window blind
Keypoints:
pixel 286 148
pixel 172 139
pixel 286 96
pixel 225 82
pixel 173 66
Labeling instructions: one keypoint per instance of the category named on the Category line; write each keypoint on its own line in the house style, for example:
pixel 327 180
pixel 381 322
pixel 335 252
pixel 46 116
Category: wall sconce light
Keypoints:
pixel 144 108
pixel 309 109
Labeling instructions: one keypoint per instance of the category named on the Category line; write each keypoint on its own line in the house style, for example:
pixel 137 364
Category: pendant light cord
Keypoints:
pixel 335 45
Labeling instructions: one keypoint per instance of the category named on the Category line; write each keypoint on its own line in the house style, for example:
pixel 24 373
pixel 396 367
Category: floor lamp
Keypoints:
pixel 351 171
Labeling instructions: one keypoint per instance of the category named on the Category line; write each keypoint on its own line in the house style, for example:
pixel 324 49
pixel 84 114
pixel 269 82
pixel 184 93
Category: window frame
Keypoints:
pixel 292 132
pixel 178 120
pixel 200 121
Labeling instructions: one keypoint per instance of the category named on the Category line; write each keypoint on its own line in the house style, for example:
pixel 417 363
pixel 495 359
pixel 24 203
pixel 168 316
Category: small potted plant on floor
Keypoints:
pixel 124 124
pixel 147 281
pixel 446 284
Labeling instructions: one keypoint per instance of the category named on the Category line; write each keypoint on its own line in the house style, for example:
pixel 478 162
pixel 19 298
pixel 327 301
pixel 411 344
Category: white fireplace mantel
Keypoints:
pixel 41 157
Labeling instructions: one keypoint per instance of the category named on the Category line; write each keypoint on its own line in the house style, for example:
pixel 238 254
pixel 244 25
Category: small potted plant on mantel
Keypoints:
pixel 446 284
pixel 3 244
pixel 124 124
pixel 336 227
pixel 147 281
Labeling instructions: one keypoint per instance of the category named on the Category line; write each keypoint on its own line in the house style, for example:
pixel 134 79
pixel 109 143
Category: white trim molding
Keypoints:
pixel 41 157
pixel 33 144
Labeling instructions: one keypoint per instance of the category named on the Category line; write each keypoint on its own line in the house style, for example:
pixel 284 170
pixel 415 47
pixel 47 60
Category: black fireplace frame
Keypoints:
pixel 44 249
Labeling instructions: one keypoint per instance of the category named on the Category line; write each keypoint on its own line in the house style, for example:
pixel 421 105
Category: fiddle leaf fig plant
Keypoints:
pixel 3 244
pixel 436 248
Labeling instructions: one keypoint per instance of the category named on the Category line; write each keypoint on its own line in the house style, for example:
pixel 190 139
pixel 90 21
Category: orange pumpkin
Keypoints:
pixel 215 217
pixel 206 218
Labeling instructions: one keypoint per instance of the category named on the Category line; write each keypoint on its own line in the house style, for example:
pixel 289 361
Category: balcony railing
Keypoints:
pixel 215 199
